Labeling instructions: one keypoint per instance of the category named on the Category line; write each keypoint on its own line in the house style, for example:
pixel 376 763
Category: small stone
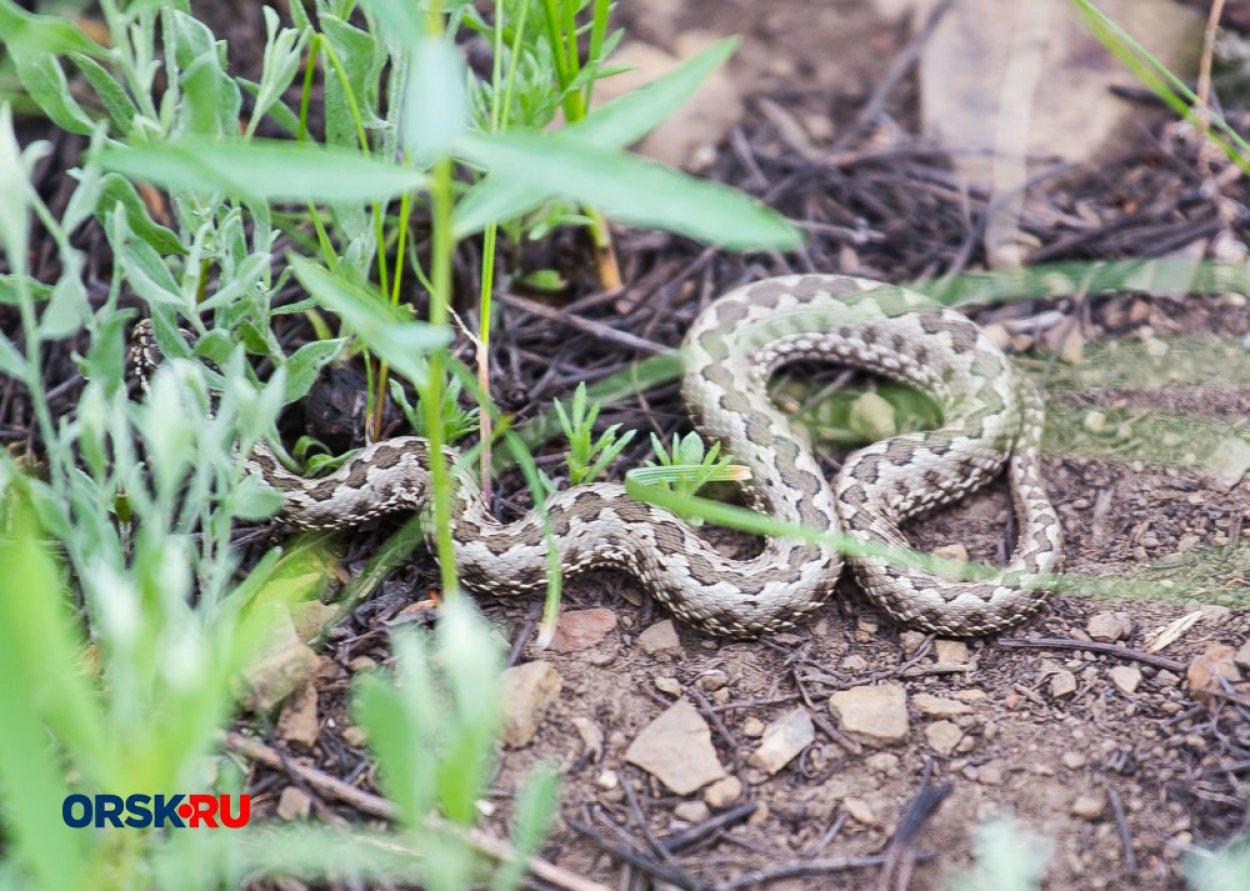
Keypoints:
pixel 723 793
pixel 972 694
pixel 1109 626
pixel 692 811
pixel 761 815
pixel 355 736
pixel 859 811
pixel 607 780
pixel 668 685
pixel 956 552
pixel 1089 807
pixel 1125 677
pixel 1073 760
pixel 753 727
pixel 943 736
pixel 1095 421
pixel 855 662
pixel 911 640
pixel 951 652
pixel 712 680
pixel 527 690
pixel 992 773
pixel 592 736
pixel 676 748
pixel 1062 683
pixel 1204 671
pixel 1165 678
pixel 875 714
pixel 298 722
pixel 783 739
pixel 659 638
pixel 1242 656
pixel 294 804
pixel 582 629
pixel 939 707
pixel 885 763
pixel 284 663
pixel 362 663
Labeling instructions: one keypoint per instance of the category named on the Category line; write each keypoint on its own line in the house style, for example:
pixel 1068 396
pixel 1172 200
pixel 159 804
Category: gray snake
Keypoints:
pixel 991 418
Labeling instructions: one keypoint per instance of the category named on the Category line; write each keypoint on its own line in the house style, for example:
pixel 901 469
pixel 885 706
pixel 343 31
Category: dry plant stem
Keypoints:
pixel 1093 646
pixel 374 806
pixel 1204 86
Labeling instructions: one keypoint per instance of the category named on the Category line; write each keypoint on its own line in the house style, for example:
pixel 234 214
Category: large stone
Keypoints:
pixel 783 739
pixel 688 138
pixel 284 663
pixel 676 748
pixel 527 690
pixel 875 714
pixel 991 67
pixel 1004 82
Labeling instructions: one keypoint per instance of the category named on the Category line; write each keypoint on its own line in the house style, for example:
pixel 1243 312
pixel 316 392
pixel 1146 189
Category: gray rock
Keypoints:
pixel 659 638
pixel 875 714
pixel 294 804
pixel 527 690
pixel 938 707
pixel 692 811
pixel 723 792
pixel 676 748
pixel 783 739
pixel 1125 677
pixel 943 736
pixel 1062 683
pixel 1109 626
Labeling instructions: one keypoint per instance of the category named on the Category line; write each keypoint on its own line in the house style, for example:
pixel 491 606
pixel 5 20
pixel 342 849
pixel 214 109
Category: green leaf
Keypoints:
pixel 435 104
pixel 12 362
pixel 362 57
pixel 14 194
pixel 212 100
pixel 9 289
pixel 615 124
pixel 304 364
pixel 42 33
pixel 41 75
pixel 263 170
pixel 399 340
pixel 114 190
pixel 399 22
pixel 148 275
pixel 632 189
pixel 69 307
pixel 253 501
pixel 117 102
pixel 43 691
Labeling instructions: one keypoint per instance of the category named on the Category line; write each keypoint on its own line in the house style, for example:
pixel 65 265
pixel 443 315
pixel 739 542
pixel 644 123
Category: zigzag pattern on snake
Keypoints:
pixel 991 418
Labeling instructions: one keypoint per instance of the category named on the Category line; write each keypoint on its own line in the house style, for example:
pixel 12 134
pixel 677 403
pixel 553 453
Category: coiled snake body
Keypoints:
pixel 991 418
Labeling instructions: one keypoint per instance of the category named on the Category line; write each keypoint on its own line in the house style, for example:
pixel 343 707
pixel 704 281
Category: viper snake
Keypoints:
pixel 992 418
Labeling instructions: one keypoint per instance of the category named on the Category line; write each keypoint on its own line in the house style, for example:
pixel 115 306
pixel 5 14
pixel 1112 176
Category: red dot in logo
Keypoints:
pixel 185 811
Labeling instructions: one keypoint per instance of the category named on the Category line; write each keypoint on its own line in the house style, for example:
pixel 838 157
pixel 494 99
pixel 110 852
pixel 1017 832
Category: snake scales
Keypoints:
pixel 991 418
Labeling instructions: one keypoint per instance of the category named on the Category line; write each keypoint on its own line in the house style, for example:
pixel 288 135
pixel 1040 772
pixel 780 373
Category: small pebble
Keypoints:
pixel 1089 807
pixel 692 811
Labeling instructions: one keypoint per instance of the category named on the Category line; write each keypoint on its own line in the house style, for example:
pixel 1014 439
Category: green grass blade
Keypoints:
pixel 633 190
pixel 263 170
